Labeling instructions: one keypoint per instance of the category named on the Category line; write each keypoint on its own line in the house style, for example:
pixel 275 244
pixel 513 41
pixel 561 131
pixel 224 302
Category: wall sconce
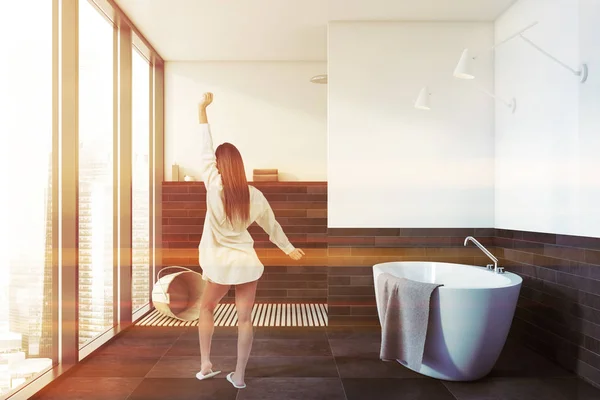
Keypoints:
pixel 463 69
pixel 424 99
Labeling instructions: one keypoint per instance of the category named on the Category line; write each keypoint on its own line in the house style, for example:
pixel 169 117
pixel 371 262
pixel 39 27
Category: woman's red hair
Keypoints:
pixel 235 186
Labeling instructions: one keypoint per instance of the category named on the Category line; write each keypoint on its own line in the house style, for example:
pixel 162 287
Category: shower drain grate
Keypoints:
pixel 263 314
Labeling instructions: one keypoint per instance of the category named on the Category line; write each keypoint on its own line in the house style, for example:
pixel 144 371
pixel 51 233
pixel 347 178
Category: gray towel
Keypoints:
pixel 404 316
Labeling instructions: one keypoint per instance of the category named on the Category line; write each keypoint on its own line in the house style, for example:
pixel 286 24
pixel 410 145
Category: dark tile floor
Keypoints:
pixel 147 363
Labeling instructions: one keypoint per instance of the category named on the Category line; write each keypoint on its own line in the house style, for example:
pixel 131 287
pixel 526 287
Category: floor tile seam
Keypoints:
pixel 161 357
pixel 449 391
pixel 337 369
pixel 135 388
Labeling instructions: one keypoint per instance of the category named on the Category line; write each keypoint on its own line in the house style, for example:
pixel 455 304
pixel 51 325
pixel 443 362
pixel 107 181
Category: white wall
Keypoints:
pixel 269 110
pixel 547 153
pixel 390 165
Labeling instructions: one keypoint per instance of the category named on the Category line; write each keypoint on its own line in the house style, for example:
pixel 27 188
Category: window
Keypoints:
pixel 140 180
pixel 37 110
pixel 96 159
pixel 26 313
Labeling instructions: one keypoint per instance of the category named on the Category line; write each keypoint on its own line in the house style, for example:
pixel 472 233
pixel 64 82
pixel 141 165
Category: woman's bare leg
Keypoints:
pixel 211 296
pixel 244 301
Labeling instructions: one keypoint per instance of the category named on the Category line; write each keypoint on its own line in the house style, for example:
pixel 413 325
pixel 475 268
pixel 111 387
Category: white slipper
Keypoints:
pixel 230 379
pixel 201 376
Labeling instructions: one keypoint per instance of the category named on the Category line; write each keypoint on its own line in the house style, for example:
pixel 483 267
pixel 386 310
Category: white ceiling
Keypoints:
pixel 278 29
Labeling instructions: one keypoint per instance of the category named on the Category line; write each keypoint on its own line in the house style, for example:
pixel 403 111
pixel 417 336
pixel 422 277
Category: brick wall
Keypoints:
pixel 558 313
pixel 300 208
pixel 353 252
pixel 338 263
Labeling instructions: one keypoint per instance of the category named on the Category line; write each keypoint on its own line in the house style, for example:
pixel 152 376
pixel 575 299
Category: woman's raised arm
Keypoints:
pixel 208 162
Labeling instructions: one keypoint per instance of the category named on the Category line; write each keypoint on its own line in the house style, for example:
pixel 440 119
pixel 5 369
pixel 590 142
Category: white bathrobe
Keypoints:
pixel 227 256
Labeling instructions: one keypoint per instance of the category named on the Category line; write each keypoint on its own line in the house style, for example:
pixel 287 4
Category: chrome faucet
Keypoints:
pixel 497 269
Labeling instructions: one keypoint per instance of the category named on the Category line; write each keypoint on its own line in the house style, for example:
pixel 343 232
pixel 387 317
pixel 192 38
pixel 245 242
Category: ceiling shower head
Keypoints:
pixel 319 79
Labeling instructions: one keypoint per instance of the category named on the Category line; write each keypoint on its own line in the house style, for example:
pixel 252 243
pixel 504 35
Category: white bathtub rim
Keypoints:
pixel 515 280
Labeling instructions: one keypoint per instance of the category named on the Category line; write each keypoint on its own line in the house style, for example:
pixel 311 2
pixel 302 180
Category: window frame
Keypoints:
pixel 65 97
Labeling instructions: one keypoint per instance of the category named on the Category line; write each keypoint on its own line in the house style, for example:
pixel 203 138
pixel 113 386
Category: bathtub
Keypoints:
pixel 469 319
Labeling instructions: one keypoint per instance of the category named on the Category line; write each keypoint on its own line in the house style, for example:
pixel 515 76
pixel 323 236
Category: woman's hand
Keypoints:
pixel 202 117
pixel 208 98
pixel 296 254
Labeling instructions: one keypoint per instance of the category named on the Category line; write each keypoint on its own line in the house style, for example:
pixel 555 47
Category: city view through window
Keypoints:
pixel 96 189
pixel 140 180
pixel 26 205
pixel 27 334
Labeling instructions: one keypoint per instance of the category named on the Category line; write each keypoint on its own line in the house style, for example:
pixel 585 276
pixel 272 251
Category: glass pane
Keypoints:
pixel 95 173
pixel 26 334
pixel 140 179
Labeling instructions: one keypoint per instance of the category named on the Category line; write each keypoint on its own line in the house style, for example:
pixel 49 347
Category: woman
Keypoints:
pixel 226 250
